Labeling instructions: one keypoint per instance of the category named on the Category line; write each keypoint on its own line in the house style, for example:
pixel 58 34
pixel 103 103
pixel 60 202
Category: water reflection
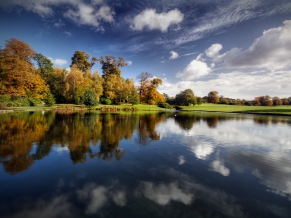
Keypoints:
pixel 94 164
pixel 77 132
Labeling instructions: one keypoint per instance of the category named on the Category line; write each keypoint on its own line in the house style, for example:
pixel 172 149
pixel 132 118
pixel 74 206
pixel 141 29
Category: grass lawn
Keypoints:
pixel 272 110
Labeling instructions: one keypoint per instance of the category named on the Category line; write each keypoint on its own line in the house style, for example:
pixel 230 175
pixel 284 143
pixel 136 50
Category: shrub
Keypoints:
pixel 178 107
pixel 165 105
pixel 90 98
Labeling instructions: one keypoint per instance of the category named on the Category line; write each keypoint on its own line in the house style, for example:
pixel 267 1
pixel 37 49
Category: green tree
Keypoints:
pixel 81 60
pixel 199 100
pixel 213 97
pixel 90 98
pixel 49 99
pixel 45 66
pixel 185 98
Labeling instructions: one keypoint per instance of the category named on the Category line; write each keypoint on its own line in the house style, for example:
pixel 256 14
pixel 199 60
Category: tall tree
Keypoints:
pixel 97 85
pixel 45 66
pixel 111 74
pixel 213 97
pixel 111 66
pixel 81 60
pixel 75 78
pixel 144 83
pixel 59 85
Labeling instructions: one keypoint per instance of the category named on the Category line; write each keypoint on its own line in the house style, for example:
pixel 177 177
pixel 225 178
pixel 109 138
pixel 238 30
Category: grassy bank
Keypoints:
pixel 269 110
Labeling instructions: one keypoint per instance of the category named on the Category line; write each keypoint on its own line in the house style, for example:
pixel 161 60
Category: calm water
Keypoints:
pixel 144 165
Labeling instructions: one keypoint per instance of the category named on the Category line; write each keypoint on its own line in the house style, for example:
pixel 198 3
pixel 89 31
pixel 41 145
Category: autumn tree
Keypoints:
pixel 154 96
pixel 144 82
pixel 18 76
pixel 59 85
pixel 111 73
pixel 213 97
pixel 82 61
pixel 185 98
pixel 263 100
pixel 285 101
pixel 111 66
pixel 75 78
pixel 148 88
pixel 97 85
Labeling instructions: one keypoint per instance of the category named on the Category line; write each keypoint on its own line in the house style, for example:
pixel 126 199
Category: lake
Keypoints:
pixel 144 165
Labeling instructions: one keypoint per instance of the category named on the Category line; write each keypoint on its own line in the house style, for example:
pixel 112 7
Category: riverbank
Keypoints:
pixel 261 110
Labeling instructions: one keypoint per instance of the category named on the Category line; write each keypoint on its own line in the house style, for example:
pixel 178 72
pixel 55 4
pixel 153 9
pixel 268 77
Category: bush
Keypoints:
pixel 33 102
pixel 105 101
pixel 165 105
pixel 4 99
pixel 21 102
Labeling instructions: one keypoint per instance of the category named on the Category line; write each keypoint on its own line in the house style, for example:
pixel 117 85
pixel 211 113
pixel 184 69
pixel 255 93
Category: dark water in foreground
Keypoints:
pixel 144 165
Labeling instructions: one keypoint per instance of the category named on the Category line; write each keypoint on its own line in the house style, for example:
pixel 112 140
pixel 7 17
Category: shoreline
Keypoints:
pixel 168 110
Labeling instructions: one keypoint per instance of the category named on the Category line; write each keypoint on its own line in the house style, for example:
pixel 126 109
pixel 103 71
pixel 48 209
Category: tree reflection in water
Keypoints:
pixel 26 137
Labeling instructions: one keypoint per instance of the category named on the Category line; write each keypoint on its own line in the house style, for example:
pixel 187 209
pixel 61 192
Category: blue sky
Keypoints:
pixel 240 48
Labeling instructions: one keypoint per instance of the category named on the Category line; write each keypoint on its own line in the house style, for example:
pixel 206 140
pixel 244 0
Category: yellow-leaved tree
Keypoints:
pixel 18 77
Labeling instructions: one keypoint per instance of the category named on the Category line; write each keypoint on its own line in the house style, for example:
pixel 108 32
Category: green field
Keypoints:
pixel 271 110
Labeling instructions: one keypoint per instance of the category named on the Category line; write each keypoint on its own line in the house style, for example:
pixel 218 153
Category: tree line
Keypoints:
pixel 266 100
pixel 29 78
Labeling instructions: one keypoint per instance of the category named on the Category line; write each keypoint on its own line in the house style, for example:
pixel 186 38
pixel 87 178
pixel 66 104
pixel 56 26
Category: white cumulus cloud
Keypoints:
pixel 213 50
pixel 272 50
pixel 195 69
pixel 150 19
pixel 87 15
pixel 174 55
